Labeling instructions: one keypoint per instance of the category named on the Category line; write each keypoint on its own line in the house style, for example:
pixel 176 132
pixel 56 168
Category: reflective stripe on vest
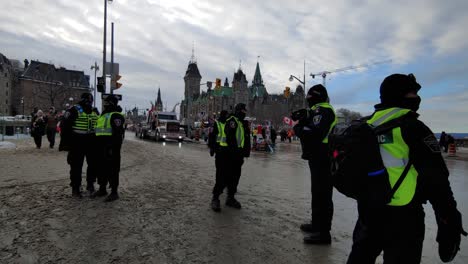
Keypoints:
pixel 239 132
pixel 84 123
pixel 221 138
pixel 326 105
pixel 103 127
pixel 395 156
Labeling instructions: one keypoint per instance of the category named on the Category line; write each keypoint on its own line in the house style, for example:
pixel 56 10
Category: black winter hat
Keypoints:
pixel 396 86
pixel 318 92
pixel 239 107
pixel 87 96
pixel 112 99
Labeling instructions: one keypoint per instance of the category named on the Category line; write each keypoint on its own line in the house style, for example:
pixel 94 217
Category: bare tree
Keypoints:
pixel 348 115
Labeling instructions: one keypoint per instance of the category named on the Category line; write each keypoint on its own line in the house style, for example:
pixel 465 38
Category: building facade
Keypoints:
pixel 6 85
pixel 42 85
pixel 200 105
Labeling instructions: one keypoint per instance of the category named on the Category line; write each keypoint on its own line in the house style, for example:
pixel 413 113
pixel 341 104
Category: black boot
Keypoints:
pixel 318 238
pixel 216 204
pixel 100 193
pixel 76 192
pixel 90 189
pixel 112 197
pixel 309 228
pixel 232 202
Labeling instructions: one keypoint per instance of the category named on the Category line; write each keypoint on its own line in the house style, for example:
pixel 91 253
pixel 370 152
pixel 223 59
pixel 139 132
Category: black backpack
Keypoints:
pixel 356 164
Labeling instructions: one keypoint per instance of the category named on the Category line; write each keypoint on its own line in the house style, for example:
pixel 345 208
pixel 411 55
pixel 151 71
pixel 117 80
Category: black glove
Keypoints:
pixel 449 234
pixel 212 152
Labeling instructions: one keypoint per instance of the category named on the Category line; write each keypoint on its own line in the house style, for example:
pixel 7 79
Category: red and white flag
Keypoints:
pixel 288 121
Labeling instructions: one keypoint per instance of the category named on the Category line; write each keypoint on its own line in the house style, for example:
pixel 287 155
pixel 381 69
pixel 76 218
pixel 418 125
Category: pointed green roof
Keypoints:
pixel 257 89
pixel 258 76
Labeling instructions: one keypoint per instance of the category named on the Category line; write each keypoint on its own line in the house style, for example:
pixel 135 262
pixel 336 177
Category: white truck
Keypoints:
pixel 161 126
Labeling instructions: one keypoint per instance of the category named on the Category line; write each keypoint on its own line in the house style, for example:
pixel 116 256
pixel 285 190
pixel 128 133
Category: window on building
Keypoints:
pixel 6 101
pixel 6 92
pixel 7 84
pixel 5 74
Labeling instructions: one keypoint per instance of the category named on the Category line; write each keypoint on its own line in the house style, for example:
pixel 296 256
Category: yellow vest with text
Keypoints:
pixel 85 123
pixel 239 132
pixel 326 105
pixel 104 127
pixel 395 156
pixel 221 137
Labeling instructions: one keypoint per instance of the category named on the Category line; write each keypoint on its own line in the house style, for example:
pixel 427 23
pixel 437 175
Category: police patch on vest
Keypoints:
pixel 432 143
pixel 117 122
pixel 385 138
pixel 317 119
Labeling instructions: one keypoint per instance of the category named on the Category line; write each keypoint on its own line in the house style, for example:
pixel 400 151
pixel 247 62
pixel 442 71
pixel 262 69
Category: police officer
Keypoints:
pixel 218 145
pixel 110 134
pixel 237 147
pixel 313 130
pixel 397 228
pixel 78 137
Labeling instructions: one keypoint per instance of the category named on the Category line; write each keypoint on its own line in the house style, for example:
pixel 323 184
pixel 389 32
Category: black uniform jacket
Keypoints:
pixel 312 130
pixel 433 183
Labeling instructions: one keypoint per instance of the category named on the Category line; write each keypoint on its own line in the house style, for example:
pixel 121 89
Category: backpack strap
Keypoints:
pixel 401 178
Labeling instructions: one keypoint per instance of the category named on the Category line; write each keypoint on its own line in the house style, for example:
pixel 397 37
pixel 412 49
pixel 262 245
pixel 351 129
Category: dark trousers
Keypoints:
pixel 228 172
pixel 110 169
pixel 51 137
pixel 38 140
pixel 322 191
pixel 398 231
pixel 82 148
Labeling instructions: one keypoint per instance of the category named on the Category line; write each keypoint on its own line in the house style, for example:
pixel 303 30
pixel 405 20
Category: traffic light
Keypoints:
pixel 218 83
pixel 287 92
pixel 100 85
pixel 116 85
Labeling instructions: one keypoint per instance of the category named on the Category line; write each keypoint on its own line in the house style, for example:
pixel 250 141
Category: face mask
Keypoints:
pixel 411 103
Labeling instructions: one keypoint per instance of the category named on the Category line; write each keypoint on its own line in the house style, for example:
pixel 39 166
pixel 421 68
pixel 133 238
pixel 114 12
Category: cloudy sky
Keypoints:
pixel 154 38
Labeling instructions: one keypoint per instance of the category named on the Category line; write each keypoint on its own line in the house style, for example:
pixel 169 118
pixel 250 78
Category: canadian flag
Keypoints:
pixel 288 121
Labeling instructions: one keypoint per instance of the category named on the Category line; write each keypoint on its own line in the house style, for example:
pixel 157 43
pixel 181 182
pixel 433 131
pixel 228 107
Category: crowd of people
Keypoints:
pixel 86 135
pixel 408 150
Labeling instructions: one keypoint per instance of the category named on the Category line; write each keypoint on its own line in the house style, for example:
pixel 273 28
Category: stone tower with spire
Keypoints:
pixel 158 104
pixel 192 81
pixel 239 87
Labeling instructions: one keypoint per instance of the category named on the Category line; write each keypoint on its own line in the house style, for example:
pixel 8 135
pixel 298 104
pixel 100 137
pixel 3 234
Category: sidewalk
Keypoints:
pixel 461 154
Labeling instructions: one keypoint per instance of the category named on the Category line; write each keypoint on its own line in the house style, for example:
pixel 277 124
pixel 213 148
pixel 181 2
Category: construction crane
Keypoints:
pixel 365 65
pixel 173 109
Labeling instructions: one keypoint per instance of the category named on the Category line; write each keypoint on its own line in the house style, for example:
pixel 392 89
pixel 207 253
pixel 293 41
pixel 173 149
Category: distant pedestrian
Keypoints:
pixel 273 135
pixel 38 128
pixel 443 141
pixel 290 135
pixel 51 127
pixel 450 140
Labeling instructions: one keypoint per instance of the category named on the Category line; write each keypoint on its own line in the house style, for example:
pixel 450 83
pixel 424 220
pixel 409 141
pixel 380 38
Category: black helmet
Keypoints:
pixel 394 88
pixel 317 94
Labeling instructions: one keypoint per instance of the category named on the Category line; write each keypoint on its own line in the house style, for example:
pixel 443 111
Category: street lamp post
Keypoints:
pixel 104 45
pixel 292 77
pixel 95 67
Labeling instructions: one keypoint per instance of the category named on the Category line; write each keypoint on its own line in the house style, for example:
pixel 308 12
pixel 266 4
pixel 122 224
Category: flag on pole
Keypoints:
pixel 288 121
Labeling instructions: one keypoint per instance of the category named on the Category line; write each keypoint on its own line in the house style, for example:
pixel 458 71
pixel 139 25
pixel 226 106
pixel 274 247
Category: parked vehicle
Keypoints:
pixel 160 126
